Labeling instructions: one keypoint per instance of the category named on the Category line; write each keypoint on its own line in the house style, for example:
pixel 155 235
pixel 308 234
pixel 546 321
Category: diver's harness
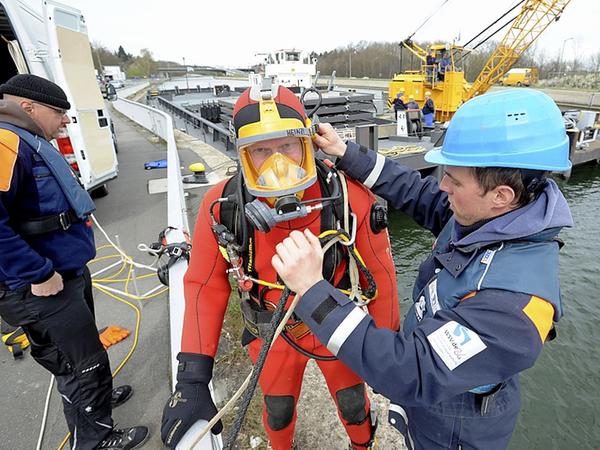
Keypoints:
pixel 235 235
pixel 174 251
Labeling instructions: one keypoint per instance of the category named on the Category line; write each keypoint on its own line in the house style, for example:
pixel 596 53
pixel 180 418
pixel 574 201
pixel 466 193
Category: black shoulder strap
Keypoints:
pixel 338 205
pixel 330 215
pixel 228 215
pixel 231 217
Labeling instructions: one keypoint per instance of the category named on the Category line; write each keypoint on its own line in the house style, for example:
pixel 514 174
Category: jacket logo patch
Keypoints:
pixel 455 344
pixel 433 297
pixel 420 308
pixel 487 257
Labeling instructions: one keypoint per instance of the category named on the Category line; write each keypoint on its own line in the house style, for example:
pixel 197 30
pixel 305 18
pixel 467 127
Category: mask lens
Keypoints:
pixel 277 167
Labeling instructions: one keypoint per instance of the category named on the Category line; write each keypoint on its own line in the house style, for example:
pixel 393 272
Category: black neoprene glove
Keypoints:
pixel 191 400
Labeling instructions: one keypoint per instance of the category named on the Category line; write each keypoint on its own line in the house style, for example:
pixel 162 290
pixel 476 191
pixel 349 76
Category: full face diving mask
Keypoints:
pixel 280 180
pixel 273 138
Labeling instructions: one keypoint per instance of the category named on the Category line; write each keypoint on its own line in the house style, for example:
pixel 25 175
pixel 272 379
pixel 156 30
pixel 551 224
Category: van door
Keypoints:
pixel 70 60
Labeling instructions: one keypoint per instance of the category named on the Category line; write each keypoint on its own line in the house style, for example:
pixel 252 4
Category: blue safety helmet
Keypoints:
pixel 519 128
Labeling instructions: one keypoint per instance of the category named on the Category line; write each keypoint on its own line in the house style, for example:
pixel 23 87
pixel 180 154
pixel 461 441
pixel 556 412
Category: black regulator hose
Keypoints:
pixel 241 204
pixel 258 366
pixel 304 352
pixel 310 113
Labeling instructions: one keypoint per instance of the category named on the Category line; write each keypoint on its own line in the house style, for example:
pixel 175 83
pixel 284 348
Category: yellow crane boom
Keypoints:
pixel 415 49
pixel 533 19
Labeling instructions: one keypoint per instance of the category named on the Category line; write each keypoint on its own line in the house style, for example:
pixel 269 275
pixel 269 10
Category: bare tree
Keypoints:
pixel 594 62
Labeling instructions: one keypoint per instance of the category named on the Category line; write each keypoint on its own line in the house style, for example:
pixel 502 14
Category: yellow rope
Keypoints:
pixel 326 233
pixel 97 284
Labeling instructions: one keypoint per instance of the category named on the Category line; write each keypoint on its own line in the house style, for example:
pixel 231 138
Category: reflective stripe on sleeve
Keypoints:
pixel 345 329
pixel 400 410
pixel 374 175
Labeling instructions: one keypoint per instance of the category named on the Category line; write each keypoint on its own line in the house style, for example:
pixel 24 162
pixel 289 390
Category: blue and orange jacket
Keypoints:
pixel 483 306
pixel 29 191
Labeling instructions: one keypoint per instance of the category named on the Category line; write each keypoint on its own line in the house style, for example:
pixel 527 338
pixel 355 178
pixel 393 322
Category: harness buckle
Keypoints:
pixel 64 220
pixel 176 251
pixel 488 400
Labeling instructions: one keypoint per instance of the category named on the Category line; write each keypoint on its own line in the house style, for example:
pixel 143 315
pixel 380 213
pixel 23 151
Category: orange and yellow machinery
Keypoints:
pixel 451 90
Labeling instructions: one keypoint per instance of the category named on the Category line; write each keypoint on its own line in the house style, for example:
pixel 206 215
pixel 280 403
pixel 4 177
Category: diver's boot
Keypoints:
pixel 371 444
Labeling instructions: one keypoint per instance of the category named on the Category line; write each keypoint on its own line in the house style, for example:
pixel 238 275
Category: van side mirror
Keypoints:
pixel 111 93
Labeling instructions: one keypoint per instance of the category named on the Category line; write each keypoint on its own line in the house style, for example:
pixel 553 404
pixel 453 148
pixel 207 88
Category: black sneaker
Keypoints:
pixel 120 395
pixel 124 439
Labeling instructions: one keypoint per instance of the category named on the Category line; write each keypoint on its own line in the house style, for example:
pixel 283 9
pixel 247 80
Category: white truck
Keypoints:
pixel 50 40
pixel 115 76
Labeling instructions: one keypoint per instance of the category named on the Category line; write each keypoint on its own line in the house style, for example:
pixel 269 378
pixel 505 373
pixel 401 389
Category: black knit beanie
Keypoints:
pixel 36 88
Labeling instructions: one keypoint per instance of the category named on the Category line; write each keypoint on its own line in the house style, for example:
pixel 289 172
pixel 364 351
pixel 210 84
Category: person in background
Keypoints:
pixel 444 66
pixel 428 110
pixel 46 239
pixel 485 300
pixel 431 63
pixel 278 170
pixel 411 103
pixel 398 103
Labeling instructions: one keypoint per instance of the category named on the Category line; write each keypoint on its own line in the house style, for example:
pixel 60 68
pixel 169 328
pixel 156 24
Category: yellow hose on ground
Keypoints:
pixel 97 283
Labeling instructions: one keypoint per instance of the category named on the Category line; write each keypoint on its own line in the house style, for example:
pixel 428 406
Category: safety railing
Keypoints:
pixel 131 90
pixel 218 131
pixel 161 124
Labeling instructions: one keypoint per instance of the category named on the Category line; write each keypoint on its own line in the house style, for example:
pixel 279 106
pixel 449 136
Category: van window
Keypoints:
pixel 71 21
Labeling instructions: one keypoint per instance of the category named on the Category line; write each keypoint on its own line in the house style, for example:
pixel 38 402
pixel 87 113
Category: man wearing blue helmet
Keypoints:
pixel 486 298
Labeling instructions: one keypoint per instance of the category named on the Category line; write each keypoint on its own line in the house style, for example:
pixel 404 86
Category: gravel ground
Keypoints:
pixel 318 426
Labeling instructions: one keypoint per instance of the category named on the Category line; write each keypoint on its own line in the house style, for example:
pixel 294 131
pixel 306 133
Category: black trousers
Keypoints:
pixel 64 340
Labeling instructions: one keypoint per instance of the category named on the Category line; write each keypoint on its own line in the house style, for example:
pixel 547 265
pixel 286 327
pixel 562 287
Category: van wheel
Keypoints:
pixel 100 191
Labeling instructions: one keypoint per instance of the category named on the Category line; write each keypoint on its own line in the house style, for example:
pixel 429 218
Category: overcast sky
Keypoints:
pixel 224 32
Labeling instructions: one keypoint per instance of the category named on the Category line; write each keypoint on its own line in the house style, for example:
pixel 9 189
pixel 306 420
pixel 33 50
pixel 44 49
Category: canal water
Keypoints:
pixel 560 394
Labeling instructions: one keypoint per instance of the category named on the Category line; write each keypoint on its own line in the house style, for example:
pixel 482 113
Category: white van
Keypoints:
pixel 50 40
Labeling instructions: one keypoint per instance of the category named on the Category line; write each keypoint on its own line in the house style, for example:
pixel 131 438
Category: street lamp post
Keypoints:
pixel 350 64
pixel 187 84
pixel 560 60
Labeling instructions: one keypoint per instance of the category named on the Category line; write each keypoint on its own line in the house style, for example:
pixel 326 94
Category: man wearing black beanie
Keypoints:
pixel 46 240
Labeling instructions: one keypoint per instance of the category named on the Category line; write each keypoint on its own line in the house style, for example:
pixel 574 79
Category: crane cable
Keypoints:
pixel 491 25
pixel 427 19
pixel 483 41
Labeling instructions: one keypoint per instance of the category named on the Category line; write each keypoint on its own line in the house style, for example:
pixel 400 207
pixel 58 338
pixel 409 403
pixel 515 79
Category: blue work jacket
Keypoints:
pixel 484 304
pixel 29 191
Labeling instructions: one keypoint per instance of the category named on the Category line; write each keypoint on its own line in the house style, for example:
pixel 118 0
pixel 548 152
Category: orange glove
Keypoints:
pixel 112 334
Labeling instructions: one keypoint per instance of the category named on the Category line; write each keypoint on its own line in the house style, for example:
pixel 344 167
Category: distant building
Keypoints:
pixel 289 67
